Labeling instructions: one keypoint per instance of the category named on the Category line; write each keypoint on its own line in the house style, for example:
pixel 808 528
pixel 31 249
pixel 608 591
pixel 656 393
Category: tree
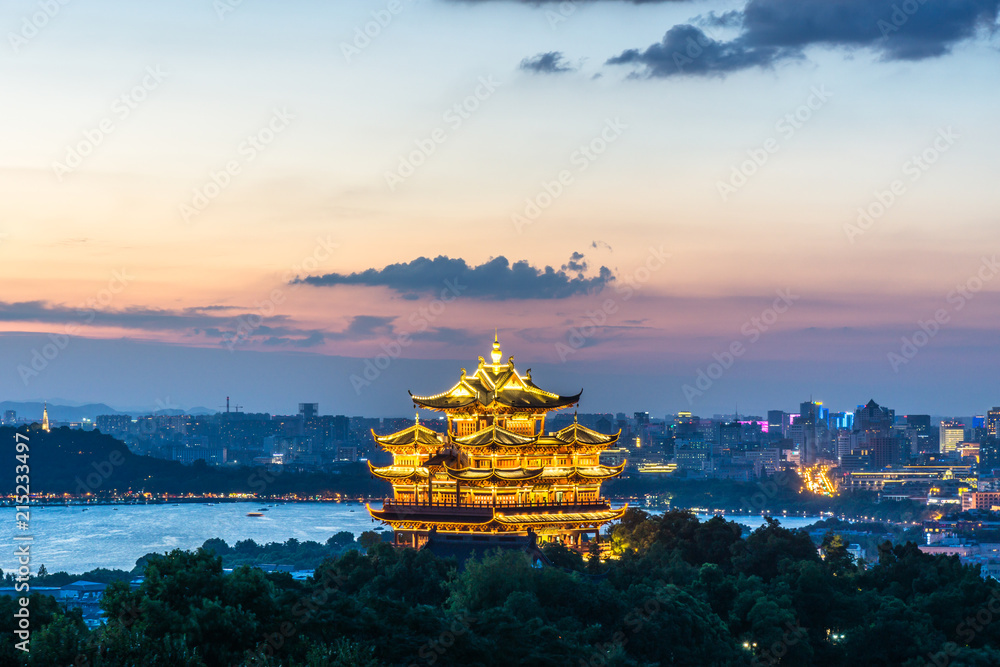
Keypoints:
pixel 186 597
pixel 562 556
pixel 341 540
pixel 368 539
pixel 42 572
pixel 835 553
pixel 593 557
pixel 217 546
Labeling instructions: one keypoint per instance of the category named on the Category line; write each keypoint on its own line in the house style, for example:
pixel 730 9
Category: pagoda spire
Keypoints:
pixel 496 354
pixel 45 416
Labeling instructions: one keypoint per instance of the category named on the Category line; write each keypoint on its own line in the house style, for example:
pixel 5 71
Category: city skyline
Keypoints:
pixel 821 200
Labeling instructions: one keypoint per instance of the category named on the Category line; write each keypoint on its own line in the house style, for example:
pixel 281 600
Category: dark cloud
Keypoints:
pixel 363 327
pixel 560 2
pixel 773 31
pixel 925 31
pixel 686 50
pixel 495 280
pixel 242 328
pixel 576 263
pixel 552 62
pixel 312 340
pixel 730 19
pixel 601 244
pixel 127 318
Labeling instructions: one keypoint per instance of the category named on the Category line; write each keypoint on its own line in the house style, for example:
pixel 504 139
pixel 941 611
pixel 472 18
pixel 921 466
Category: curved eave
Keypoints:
pixel 548 443
pixel 498 399
pixel 422 437
pixel 580 474
pixel 603 439
pixel 497 436
pixel 443 403
pixel 393 518
pixel 574 518
pixel 607 472
pixel 542 403
pixel 494 474
pixel 397 473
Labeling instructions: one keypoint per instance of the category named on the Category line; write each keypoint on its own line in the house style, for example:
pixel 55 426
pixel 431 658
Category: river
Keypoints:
pixel 115 536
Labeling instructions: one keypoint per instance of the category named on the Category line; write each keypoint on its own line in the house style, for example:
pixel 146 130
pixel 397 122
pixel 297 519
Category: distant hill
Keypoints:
pixel 69 413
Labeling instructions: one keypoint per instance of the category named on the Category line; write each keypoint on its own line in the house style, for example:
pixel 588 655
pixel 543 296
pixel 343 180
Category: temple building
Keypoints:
pixel 496 474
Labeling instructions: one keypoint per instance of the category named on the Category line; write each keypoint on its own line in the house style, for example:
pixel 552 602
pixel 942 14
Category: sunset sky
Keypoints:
pixel 258 199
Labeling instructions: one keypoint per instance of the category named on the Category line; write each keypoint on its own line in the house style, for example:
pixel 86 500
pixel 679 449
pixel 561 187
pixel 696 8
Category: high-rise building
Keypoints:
pixel 874 440
pixel 807 413
pixel 776 420
pixel 496 469
pixel 308 410
pixel 9 417
pixel 811 430
pixel 993 422
pixel 952 433
pixel 873 417
pixel 842 420
pixel 922 433
pixel 989 456
pixel 730 435
pixel 113 424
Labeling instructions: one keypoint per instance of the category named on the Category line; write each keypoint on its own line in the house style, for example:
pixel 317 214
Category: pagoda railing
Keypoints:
pixel 488 506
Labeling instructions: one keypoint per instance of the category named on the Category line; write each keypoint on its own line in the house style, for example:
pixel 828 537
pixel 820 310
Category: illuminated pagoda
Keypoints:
pixel 496 474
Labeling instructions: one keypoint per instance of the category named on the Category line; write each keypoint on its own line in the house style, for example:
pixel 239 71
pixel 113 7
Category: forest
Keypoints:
pixel 679 592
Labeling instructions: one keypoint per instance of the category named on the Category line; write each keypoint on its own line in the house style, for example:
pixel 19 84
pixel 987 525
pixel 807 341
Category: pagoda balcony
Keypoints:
pixel 486 508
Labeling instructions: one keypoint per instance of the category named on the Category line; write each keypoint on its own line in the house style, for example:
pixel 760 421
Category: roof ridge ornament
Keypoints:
pixel 496 354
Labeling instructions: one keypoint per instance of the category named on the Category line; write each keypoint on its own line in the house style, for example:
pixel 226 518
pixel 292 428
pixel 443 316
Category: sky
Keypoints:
pixel 675 205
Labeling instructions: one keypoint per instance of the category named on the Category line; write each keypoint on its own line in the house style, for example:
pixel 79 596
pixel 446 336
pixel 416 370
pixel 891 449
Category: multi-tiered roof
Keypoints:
pixel 496 469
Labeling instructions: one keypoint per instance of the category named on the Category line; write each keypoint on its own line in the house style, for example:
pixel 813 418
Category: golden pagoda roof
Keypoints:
pixel 600 516
pixel 417 435
pixel 582 473
pixel 399 472
pixel 577 433
pixel 496 384
pixel 494 474
pixel 494 435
